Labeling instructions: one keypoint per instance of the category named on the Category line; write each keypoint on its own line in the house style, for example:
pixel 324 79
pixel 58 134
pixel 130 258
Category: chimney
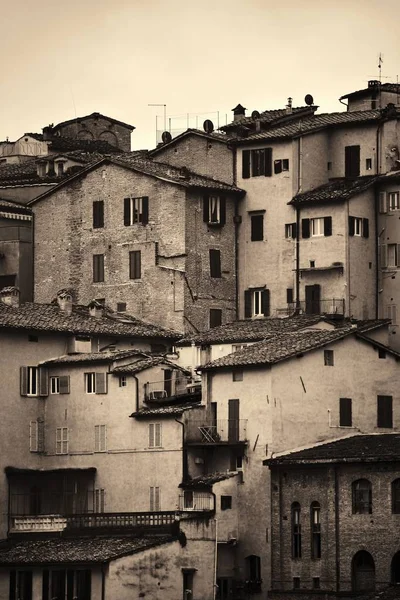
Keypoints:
pixel 47 133
pixel 64 301
pixel 239 112
pixel 289 106
pixel 96 309
pixel 10 296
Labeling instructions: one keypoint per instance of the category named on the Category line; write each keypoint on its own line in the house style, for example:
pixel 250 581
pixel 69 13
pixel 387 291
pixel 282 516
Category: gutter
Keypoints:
pixel 137 392
pixel 184 453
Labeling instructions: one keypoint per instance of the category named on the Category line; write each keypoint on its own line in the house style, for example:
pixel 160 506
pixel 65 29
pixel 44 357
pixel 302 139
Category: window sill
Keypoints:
pixel 214 224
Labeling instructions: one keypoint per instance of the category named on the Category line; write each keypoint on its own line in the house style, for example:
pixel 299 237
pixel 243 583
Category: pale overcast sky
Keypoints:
pixel 61 60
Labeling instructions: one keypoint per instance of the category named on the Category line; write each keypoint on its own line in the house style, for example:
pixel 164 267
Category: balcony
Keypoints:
pixel 169 389
pixel 332 307
pixel 218 433
pixel 194 501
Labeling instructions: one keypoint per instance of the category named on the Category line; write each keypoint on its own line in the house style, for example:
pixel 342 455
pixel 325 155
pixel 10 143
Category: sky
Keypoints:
pixel 62 60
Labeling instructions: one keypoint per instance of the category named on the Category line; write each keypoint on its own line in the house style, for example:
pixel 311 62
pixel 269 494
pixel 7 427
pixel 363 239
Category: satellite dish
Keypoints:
pixel 309 100
pixel 166 137
pixel 208 126
pixel 255 114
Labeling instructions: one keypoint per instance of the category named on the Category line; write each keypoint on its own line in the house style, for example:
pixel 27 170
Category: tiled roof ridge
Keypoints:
pixel 94 114
pixel 342 187
pixel 215 135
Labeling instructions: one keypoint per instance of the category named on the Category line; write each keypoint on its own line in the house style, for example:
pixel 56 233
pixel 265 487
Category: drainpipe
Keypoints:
pixel 137 392
pixel 299 188
pixel 237 223
pixel 378 172
pixel 337 536
pixel 103 582
pixel 184 452
pixel 215 559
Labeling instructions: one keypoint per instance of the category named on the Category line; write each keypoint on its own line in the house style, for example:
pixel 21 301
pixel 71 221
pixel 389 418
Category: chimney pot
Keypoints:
pixel 239 112
pixel 96 309
pixel 64 301
pixel 10 296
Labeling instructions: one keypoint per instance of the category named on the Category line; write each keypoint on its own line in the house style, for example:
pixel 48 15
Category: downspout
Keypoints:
pixel 103 582
pixel 236 220
pixel 280 529
pixel 348 274
pixel 184 453
pixel 378 172
pixel 215 558
pixel 337 536
pixel 299 188
pixel 33 256
pixel 137 392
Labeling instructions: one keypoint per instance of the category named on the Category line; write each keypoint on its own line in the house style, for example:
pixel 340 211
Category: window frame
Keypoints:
pixel 62 440
pixel 257 227
pixel 123 381
pixel 100 438
pixel 329 358
pixel 290 231
pixel 361 497
pixel 345 410
pixel 393 201
pixel 98 214
pixel 384 412
pixel 317 231
pixel 32 381
pixel 358 226
pixel 315 528
pixel 155 435
pixel 90 382
pixel 54 389
pixel 98 268
pixel 296 530
pixel 136 210
pixel 135 265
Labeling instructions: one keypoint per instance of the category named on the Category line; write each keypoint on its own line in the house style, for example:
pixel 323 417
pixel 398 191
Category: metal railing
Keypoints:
pixel 331 306
pixel 192 501
pixel 221 430
pixel 168 388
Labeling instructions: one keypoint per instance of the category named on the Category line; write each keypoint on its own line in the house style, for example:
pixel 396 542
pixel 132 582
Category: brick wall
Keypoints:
pixel 98 128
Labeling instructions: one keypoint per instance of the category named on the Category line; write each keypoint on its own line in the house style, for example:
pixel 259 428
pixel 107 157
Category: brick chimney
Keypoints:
pixel 64 301
pixel 289 106
pixel 10 296
pixel 96 309
pixel 239 112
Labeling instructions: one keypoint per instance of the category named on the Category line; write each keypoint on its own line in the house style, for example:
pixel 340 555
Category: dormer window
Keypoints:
pixel 60 168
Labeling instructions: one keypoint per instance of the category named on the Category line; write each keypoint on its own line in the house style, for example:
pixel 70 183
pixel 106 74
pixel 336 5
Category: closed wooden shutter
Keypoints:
pixel 157 435
pixel 41 431
pixel 135 264
pixel 64 384
pixel 352 161
pixel 98 214
pixel 327 226
pixel 100 438
pixel 257 228
pixel 247 304
pixel 245 164
pixel 294 230
pixel 155 499
pixel 383 256
pixel 305 228
pixel 127 211
pixel 385 411
pixel 206 208
pixel 268 162
pixel 398 256
pixel 383 207
pixel 215 263
pixel 151 435
pixel 101 383
pixel 43 382
pixel 33 436
pixel 345 412
pixel 265 303
pixel 145 210
pixel 277 167
pixel 352 221
pixel 365 228
pixel 24 381
pixel 222 210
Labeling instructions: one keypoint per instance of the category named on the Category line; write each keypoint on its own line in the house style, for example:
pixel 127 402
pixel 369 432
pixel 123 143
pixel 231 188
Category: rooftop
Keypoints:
pixel 146 363
pixel 208 480
pixel 214 136
pixel 386 87
pixel 270 117
pixel 336 190
pixel 166 409
pixel 92 357
pixel 377 447
pixel 14 207
pixel 78 551
pixel 49 317
pixel 91 116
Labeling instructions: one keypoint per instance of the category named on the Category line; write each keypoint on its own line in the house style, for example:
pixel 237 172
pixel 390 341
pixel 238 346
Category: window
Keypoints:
pixel 98 268
pixel 122 381
pixel 36 436
pixel 215 317
pixel 155 438
pixel 121 306
pixel 362 497
pixel 321 226
pixel 59 384
pixel 99 500
pixel 214 210
pixel 385 411
pixel 296 583
pixel 358 227
pixel 381 353
pixel 59 584
pixel 312 264
pixel 20 585
pixel 226 502
pixel 396 496
pixel 98 214
pixel 368 164
pixel 257 163
pixel 296 531
pixel 281 165
pixel 253 573
pixel 256 303
pixel 345 412
pixel 328 358
pixel 96 383
pixel 316 583
pixel 187 582
pixel 329 166
pixel 136 210
pixel 237 347
pixel 394 200
pixel 237 375
pixel 32 338
pixel 155 499
pixel 391 255
pixel 257 228
pixel 34 381
pixel 100 438
pixel 188 499
pixel 62 440
pixel 60 168
pixel 315 524
pixel 215 263
pixel 135 264
pixel 290 231
pixel 391 312
pixel 352 161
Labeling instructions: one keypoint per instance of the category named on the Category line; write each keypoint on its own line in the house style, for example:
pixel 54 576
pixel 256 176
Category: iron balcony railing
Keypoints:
pixel 194 501
pixel 169 388
pixel 215 432
pixel 331 306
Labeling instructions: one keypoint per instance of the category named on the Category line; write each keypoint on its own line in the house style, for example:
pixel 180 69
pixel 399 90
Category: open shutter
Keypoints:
pixel 277 167
pixel 101 383
pixel 265 303
pixel 383 202
pixel 365 228
pixel 383 256
pixel 247 304
pixel 33 436
pixel 268 162
pixel 327 226
pixel 151 499
pixel 245 164
pixel 145 210
pixel 64 384
pixel 43 382
pixel 222 210
pixel 352 221
pixel 40 434
pixel 398 256
pixel 127 211
pixel 24 381
pixel 158 435
pixel 206 208
pixel 294 230
pixel 151 435
pixel 305 228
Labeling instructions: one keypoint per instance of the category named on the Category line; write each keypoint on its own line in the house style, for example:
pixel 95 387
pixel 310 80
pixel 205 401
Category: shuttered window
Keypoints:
pixel 245 164
pixel 352 161
pixel 155 435
pixel 214 210
pixel 135 264
pixel 345 412
pixel 33 436
pixel 34 381
pixel 96 383
pixel 98 268
pixel 318 227
pixel 62 440
pixel 215 263
pixel 385 411
pixel 99 500
pixel 100 438
pixel 98 214
pixel 59 384
pixel 256 303
pixel 383 202
pixel 257 228
pixel 358 226
pixel 290 231
pixel 155 499
pixel 394 201
pixel 136 210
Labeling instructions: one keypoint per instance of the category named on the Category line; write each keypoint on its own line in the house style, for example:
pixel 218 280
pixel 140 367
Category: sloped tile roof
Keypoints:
pixel 270 116
pixel 76 550
pixel 357 448
pixel 251 330
pixel 91 116
pixel 92 357
pixel 49 317
pixel 337 190
pixel 14 207
pixel 386 87
pixel 166 409
pixel 65 144
pixel 280 347
pixel 146 363
pixel 207 481
pixel 214 136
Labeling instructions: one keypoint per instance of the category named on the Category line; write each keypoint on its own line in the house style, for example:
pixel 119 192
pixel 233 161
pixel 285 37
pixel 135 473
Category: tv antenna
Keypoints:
pixel 165 116
pixel 380 63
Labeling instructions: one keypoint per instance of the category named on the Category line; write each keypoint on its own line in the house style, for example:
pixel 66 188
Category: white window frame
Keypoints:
pixel 317 228
pixel 394 200
pixel 155 435
pixel 358 222
pixel 214 209
pixel 136 210
pixel 62 440
pixel 155 499
pixel 392 255
pixel 99 500
pixel 256 303
pixel 90 383
pixel 289 227
pixel 32 383
pixel 54 384
pixel 123 381
pixel 100 438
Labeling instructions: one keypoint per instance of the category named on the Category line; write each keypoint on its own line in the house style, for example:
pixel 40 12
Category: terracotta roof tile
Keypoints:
pixel 206 481
pixel 166 409
pixel 92 357
pixel 337 190
pixel 147 363
pixel 91 116
pixel 270 116
pixel 214 136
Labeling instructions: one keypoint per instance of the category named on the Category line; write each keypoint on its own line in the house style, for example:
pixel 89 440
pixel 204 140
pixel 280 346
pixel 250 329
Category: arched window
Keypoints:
pixel 396 496
pixel 363 572
pixel 253 573
pixel 315 527
pixel 362 497
pixel 296 531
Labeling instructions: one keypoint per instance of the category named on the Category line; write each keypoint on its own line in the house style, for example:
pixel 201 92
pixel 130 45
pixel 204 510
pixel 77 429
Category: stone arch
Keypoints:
pixel 110 137
pixel 84 134
pixel 363 572
pixel 395 568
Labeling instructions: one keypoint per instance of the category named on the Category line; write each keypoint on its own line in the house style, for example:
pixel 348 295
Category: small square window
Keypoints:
pixel 226 502
pixel 237 375
pixel 312 264
pixel 316 583
pixel 329 166
pixel 368 164
pixel 122 381
pixel 296 583
pixel 121 306
pixel 328 358
pixel 381 353
pixel 33 338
